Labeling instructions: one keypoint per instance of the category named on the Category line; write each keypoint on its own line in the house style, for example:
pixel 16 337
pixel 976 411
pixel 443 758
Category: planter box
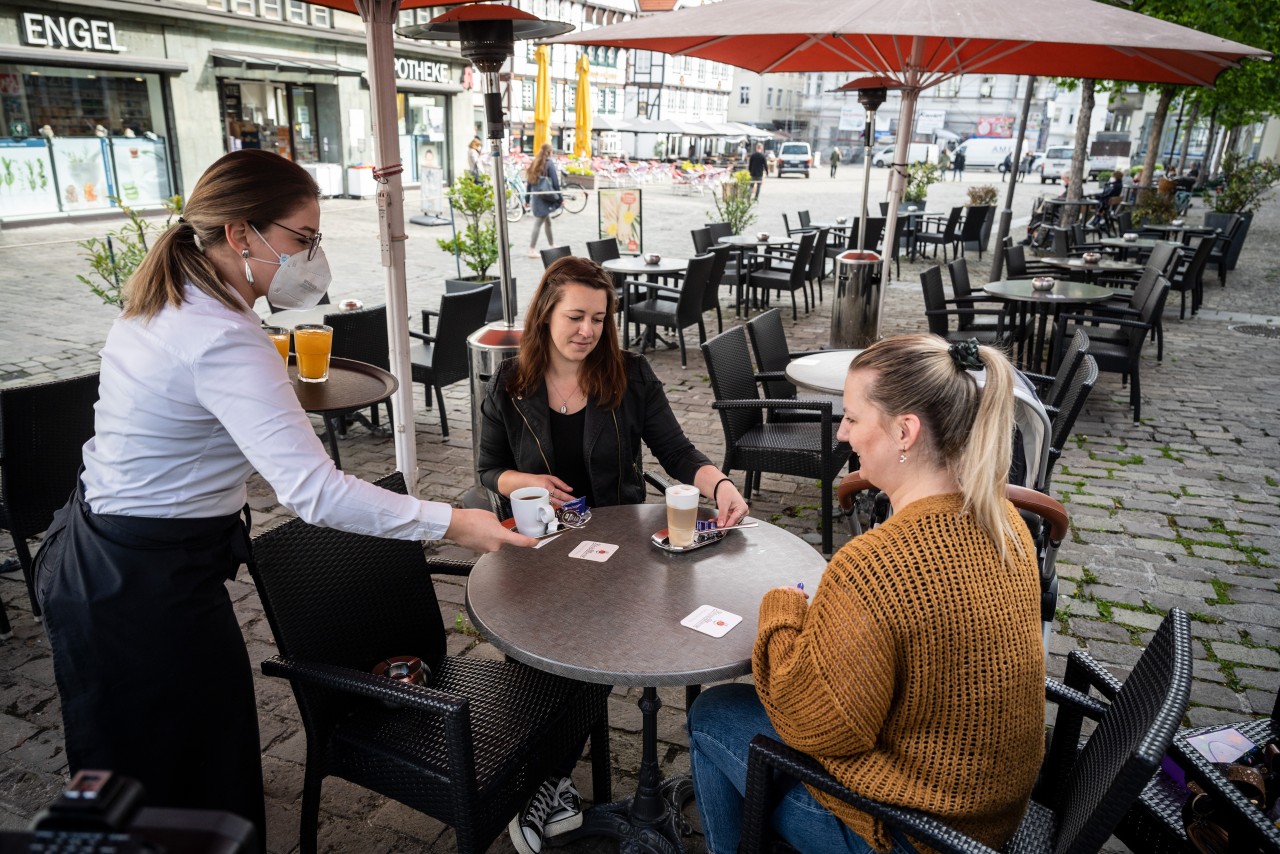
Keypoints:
pixel 470 283
pixel 586 182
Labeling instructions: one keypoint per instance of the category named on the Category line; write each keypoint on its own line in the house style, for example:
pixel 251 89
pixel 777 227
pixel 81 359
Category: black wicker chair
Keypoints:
pixel 975 220
pixel 359 335
pixel 1222 246
pixel 769 344
pixel 1069 408
pixel 441 359
pixel 1116 342
pixel 1052 389
pixel 711 293
pixel 939 310
pixel 751 445
pixel 606 249
pixel 1154 825
pixel 685 310
pixel 468 748
pixel 787 271
pixel 1017 266
pixel 554 254
pixel 1083 794
pixel 1188 276
pixel 940 232
pixel 43 428
pixel 966 297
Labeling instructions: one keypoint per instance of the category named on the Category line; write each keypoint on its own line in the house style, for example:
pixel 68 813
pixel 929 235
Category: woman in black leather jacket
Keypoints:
pixel 570 412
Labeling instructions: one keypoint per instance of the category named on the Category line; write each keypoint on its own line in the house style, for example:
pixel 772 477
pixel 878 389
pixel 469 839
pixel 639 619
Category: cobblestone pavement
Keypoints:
pixel 1179 510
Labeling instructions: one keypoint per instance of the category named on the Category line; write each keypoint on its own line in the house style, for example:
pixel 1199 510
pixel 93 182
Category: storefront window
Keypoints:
pixel 78 139
pixel 423 137
pixel 276 116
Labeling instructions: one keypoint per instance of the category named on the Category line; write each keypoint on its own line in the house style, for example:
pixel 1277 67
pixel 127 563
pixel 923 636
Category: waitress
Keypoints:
pixel 150 663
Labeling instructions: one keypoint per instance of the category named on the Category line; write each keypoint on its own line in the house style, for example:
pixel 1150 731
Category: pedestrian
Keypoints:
pixel 742 152
pixel 473 158
pixel 1006 167
pixel 1028 160
pixel 151 666
pixel 957 165
pixel 543 184
pixel 756 167
pixel 835 160
pixel 944 160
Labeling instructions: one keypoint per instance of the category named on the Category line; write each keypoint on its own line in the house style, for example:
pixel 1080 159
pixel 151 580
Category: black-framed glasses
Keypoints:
pixel 313 240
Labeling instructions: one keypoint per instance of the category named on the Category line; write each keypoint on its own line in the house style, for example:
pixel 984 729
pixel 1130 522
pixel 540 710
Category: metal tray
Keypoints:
pixel 700 539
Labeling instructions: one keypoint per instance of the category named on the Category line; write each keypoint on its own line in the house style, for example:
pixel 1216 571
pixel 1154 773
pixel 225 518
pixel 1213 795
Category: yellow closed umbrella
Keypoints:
pixel 582 111
pixel 542 99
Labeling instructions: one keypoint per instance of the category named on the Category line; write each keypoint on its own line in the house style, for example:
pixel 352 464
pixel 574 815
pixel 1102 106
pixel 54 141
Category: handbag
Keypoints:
pixel 1201 812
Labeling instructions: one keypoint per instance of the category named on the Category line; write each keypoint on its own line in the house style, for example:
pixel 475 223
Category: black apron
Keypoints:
pixel 152 670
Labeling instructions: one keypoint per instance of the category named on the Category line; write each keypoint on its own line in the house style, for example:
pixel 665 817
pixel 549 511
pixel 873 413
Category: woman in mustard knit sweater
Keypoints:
pixel 916 674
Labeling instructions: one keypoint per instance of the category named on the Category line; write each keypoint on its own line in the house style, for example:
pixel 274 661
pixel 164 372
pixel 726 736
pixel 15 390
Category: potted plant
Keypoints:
pixel 985 194
pixel 580 173
pixel 919 177
pixel 1154 207
pixel 735 203
pixel 1242 191
pixel 477 244
pixel 113 258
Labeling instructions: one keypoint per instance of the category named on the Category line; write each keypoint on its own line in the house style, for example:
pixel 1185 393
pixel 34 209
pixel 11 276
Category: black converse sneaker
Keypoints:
pixel 554 809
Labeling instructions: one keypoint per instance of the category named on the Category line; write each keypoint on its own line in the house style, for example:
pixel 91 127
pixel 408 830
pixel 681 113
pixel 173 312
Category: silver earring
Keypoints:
pixel 248 274
pixel 902 457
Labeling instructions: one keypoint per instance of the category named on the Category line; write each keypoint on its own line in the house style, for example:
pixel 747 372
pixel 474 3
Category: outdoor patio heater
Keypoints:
pixel 855 311
pixel 488 33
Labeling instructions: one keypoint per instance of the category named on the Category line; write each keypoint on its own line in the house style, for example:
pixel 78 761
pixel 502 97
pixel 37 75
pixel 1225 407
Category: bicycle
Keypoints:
pixel 573 198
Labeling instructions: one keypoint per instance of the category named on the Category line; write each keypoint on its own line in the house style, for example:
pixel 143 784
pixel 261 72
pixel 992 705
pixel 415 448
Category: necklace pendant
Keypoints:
pixel 564 408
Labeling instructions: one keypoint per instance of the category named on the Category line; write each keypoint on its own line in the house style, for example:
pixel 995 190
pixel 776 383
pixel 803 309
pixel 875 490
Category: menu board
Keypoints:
pixel 83 177
pixel 26 178
pixel 620 219
pixel 142 170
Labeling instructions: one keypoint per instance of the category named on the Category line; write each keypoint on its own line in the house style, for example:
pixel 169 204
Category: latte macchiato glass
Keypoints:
pixel 682 514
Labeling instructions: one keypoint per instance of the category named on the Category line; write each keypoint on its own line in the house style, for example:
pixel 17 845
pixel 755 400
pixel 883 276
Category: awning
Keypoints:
pixel 605 122
pixel 244 61
pixel 87 59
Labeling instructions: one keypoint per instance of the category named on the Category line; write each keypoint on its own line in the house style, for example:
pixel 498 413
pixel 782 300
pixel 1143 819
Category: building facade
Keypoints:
pixel 125 100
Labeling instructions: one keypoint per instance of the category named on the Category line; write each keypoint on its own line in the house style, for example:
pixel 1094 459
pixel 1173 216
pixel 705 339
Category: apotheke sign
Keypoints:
pixel 39 30
pixel 421 70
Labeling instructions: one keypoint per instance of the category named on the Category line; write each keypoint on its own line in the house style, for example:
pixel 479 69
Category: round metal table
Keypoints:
pixel 743 244
pixel 351 385
pixel 1064 293
pixel 1091 271
pixel 618 623
pixel 634 265
pixel 823 373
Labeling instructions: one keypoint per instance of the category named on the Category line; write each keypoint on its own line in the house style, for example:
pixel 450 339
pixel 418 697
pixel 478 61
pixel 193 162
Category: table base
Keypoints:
pixel 651 821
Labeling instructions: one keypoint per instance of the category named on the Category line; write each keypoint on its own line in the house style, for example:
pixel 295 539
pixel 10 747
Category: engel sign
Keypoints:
pixel 418 69
pixel 41 30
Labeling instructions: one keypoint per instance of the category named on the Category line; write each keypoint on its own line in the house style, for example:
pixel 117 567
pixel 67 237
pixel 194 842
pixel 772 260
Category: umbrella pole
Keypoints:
pixel 1006 215
pixel 494 123
pixel 897 182
pixel 379 16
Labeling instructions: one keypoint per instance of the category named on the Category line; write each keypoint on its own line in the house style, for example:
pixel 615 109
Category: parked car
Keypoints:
pixel 795 157
pixel 1053 164
pixel 882 155
pixel 1100 167
pixel 917 152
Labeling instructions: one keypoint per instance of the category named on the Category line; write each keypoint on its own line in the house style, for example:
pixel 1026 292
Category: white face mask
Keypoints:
pixel 299 282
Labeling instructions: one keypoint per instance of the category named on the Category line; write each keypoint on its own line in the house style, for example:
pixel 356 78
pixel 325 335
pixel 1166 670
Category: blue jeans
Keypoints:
pixel 722 722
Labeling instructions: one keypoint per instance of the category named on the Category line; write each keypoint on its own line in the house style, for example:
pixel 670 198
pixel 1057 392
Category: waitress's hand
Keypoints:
pixel 730 505
pixel 557 489
pixel 480 531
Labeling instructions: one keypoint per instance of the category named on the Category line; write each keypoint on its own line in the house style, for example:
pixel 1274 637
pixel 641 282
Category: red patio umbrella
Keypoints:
pixel 921 43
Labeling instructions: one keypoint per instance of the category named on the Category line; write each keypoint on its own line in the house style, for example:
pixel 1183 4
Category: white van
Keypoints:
pixel 795 157
pixel 917 152
pixel 987 153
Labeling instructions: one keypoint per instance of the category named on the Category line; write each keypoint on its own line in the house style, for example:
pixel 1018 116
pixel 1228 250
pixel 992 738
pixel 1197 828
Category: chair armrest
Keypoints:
pixel 344 680
pixel 797 354
pixel 657 481
pixel 658 286
pixel 430 339
pixel 1056 692
pixel 770 376
pixel 768 758
pixel 963 312
pixel 823 406
pixel 1104 319
pixel 450 566
pixel 1038 379
pixel 427 314
pixel 1083 673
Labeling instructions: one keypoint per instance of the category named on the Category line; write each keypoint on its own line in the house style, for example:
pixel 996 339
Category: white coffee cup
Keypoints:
pixel 531 507
pixel 682 514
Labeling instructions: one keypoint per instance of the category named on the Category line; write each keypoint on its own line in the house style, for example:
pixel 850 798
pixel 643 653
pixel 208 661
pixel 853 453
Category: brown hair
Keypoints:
pixel 253 185
pixel 538 167
pixel 968 429
pixel 604 374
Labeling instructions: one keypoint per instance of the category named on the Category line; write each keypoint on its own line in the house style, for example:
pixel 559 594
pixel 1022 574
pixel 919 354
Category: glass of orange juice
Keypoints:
pixel 313 342
pixel 279 336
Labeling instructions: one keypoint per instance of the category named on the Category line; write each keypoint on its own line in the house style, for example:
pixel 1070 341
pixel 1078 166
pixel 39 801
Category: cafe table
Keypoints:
pixel 743 244
pixel 629 266
pixel 1065 205
pixel 1176 232
pixel 1029 300
pixel 351 386
pixel 1125 246
pixel 1098 268
pixel 617 622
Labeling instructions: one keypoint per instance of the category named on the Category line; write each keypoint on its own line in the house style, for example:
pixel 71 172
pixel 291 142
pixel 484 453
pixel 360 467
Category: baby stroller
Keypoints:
pixel 1046 517
pixel 1044 214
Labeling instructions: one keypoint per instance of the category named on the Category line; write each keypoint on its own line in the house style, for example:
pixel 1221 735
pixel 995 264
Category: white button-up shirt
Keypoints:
pixel 192 401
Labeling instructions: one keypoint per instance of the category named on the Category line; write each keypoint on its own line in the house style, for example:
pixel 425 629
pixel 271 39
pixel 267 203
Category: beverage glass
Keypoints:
pixel 313 343
pixel 280 337
pixel 682 514
pixel 531 507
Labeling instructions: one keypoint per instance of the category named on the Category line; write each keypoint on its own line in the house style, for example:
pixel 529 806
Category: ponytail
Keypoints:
pixel 968 430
